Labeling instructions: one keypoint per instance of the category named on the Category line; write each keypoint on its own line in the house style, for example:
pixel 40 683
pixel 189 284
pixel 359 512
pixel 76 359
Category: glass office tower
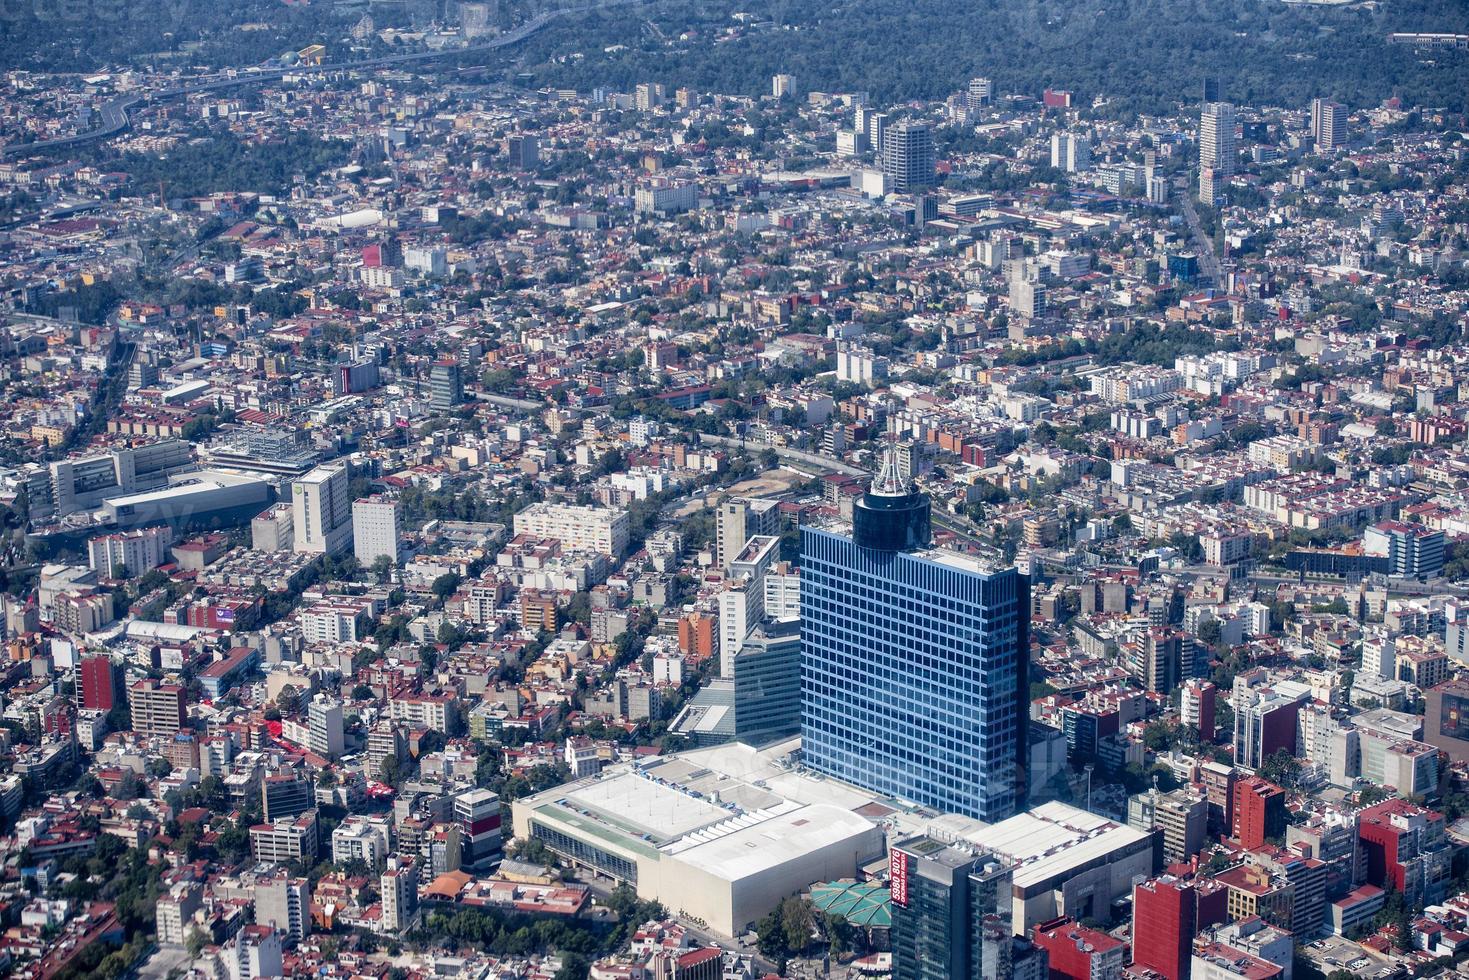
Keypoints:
pixel 767 683
pixel 914 662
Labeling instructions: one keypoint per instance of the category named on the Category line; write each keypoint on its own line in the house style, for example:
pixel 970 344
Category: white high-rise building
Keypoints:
pixel 321 514
pixel 1211 186
pixel 255 952
pixel 649 96
pixel 738 520
pixel 1216 139
pixel 432 262
pixel 327 735
pixel 1060 147
pixel 1157 190
pixel 284 903
pixel 174 913
pixel 1027 298
pixel 740 608
pixel 399 886
pixel 1070 152
pixel 877 129
pixel 979 93
pixel 859 365
pixel 851 143
pixel 742 605
pixel 783 591
pixel 1328 125
pixel 1379 653
pixel 375 530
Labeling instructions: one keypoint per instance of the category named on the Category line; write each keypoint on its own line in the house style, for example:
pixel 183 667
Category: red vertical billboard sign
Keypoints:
pixel 898 877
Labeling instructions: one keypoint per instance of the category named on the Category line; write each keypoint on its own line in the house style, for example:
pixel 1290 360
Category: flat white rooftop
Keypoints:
pixel 763 840
pixel 735 810
pixel 644 806
pixel 956 559
pixel 1052 839
pixel 183 484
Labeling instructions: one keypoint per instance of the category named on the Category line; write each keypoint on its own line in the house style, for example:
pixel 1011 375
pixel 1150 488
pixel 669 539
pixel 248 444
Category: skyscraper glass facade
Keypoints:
pixel 767 684
pixel 951 913
pixel 914 674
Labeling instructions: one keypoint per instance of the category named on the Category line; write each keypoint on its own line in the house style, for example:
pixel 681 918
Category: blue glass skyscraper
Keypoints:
pixel 914 662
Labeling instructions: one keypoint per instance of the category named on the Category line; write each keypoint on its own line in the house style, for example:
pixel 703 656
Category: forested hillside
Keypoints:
pixel 1143 54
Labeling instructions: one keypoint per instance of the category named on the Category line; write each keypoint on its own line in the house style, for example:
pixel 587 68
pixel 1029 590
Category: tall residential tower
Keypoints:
pixel 1216 150
pixel 322 511
pixel 1328 125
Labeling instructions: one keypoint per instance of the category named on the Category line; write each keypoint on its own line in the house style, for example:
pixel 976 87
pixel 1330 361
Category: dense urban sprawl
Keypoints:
pixel 462 527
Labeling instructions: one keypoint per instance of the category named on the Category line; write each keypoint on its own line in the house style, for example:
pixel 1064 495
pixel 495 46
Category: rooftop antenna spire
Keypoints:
pixel 890 482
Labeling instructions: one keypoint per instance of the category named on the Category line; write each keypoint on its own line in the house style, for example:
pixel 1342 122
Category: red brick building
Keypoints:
pixel 1406 850
pixel 101 683
pixel 1078 953
pixel 1165 918
pixel 1259 811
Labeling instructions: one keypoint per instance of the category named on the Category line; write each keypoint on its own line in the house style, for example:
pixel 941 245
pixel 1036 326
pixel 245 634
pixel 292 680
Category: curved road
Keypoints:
pixel 115 113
